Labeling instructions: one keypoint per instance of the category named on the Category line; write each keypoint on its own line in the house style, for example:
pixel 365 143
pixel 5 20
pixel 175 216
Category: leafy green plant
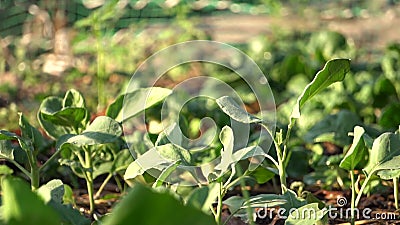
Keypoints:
pixel 379 157
pixel 46 204
pixel 228 172
pixel 31 142
pixel 148 207
pixel 92 148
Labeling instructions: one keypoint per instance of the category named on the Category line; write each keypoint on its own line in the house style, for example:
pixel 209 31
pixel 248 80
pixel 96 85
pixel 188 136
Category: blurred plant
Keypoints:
pixel 99 22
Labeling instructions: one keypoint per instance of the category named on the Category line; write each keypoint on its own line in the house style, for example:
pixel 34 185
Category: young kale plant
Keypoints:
pixel 32 143
pixel 46 200
pixel 383 155
pixel 92 148
pixel 166 157
pixel 334 71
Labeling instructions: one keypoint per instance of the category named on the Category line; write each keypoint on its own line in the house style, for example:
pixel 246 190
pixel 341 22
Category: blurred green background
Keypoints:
pixel 94 46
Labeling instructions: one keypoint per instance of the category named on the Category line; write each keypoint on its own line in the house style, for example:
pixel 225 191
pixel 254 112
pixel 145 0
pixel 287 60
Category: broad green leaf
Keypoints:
pixel 68 117
pixel 30 132
pixel 52 105
pixel 159 157
pixel 333 71
pixel 298 164
pixel 102 130
pixel 141 203
pixel 131 104
pixel 390 117
pixel 292 201
pixel 310 198
pixel 234 203
pixel 53 194
pixel 68 197
pixel 203 197
pixel 388 174
pixel 263 175
pixel 5 170
pixel 73 99
pixel 228 156
pixel 104 125
pixel 60 116
pixel 150 159
pixel 165 174
pixel 174 152
pixel 334 128
pixel 21 206
pixel 25 144
pixel 226 137
pixel 102 168
pixel 306 215
pixel 385 154
pixel 239 155
pixel 6 149
pixel 232 109
pixel 52 191
pixel 356 152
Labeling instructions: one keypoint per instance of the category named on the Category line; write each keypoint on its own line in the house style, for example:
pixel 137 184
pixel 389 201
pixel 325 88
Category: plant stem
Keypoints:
pixel 103 185
pixel 353 196
pixel 35 177
pixel 52 157
pixel 230 177
pixel 218 215
pixel 21 168
pixel 246 194
pixel 282 175
pixel 396 191
pixel 119 185
pixel 281 157
pixel 89 178
pixel 233 183
pixel 34 171
pixel 285 142
pixel 100 67
pixel 360 193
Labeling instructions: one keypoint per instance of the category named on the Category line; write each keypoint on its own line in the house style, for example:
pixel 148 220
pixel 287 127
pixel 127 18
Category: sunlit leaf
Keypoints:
pixel 30 132
pixel 203 197
pixel 333 71
pixel 356 152
pixel 22 206
pixel 102 130
pixel 385 154
pixel 141 203
pixel 132 103
pixel 232 109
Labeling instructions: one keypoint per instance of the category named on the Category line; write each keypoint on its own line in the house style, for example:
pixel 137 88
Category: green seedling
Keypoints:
pixel 32 143
pixel 383 156
pixel 219 184
pixel 93 148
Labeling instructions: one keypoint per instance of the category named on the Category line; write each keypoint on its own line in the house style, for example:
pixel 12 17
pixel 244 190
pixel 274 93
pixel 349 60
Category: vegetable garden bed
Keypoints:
pixel 297 128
